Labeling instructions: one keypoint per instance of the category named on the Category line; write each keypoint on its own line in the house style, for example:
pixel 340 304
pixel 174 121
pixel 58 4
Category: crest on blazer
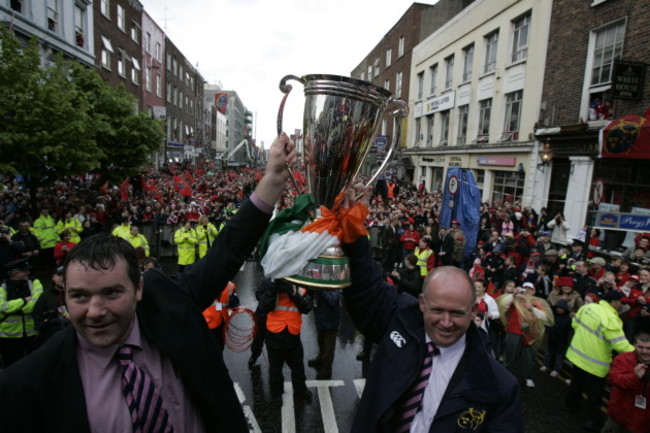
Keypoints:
pixel 471 419
pixel 397 338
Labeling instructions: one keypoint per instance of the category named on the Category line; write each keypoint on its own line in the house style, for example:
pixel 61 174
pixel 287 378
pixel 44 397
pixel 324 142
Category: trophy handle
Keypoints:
pixel 285 88
pixel 400 112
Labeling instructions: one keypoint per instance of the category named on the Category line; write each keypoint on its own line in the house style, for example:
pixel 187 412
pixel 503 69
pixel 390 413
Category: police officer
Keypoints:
pixel 18 296
pixel 185 240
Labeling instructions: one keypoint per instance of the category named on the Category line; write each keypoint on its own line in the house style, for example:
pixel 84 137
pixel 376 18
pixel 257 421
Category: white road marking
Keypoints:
pixel 325 399
pixel 288 415
pixel 359 384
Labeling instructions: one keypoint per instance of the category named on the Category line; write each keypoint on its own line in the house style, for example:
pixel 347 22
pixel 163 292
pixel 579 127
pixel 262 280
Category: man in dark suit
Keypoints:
pixel 445 248
pixel 74 382
pixel 467 387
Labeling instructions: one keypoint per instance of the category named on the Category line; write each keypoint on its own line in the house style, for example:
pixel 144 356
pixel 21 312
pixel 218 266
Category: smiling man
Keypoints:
pixel 139 355
pixel 432 370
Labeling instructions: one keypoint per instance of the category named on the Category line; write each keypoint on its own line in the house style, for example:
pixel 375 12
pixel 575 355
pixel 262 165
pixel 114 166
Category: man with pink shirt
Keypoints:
pixel 124 321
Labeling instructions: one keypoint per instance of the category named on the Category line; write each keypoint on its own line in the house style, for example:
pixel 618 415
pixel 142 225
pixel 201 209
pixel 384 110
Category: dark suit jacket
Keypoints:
pixel 43 392
pixel 482 395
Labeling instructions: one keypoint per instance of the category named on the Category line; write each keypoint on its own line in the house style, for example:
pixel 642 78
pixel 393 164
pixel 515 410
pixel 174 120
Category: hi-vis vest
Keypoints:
pixel 598 331
pixel 17 314
pixel 217 313
pixel 186 247
pixel 423 256
pixel 206 238
pixel 284 315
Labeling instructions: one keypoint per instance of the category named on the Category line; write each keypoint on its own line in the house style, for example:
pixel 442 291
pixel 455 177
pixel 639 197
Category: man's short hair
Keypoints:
pixel 643 336
pixel 451 269
pixel 102 251
pixel 412 259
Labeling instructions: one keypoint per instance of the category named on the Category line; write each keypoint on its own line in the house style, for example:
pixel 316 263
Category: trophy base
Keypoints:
pixel 329 271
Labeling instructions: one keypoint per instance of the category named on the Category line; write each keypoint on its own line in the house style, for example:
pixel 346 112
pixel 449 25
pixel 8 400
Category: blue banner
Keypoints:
pixel 461 200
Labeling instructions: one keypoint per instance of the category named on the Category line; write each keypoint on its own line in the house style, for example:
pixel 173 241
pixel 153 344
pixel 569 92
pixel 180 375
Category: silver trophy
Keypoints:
pixel 340 122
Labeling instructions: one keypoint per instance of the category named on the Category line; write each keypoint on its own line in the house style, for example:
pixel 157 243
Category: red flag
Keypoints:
pixel 124 190
pixel 221 102
pixel 626 137
pixel 181 186
pixel 492 290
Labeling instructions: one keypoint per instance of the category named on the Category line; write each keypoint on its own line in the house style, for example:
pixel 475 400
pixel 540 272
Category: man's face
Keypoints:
pixel 19 275
pixel 101 303
pixel 448 308
pixel 643 351
pixel 23 227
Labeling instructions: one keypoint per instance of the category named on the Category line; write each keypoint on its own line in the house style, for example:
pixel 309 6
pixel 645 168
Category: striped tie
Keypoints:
pixel 412 400
pixel 147 409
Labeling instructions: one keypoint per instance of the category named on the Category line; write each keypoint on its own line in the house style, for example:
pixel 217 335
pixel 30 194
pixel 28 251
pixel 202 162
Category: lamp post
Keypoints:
pixel 545 154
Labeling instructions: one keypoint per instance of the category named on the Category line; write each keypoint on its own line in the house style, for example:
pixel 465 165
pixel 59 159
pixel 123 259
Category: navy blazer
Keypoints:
pixel 43 392
pixel 482 396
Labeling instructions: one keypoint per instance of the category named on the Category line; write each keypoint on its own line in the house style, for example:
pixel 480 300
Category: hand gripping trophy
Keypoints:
pixel 340 121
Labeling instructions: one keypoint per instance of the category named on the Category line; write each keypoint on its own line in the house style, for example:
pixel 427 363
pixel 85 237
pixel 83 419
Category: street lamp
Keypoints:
pixel 545 154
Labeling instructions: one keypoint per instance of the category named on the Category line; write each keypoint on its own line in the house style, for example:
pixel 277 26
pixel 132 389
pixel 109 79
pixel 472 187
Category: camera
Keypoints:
pixel 4 230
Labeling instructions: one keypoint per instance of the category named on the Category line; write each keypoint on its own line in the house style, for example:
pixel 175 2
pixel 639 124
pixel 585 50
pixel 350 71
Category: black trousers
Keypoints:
pixel 13 349
pixel 593 386
pixel 326 346
pixel 282 348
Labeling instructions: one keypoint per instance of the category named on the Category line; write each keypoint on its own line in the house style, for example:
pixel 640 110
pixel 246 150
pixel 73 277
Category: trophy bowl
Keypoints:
pixel 340 122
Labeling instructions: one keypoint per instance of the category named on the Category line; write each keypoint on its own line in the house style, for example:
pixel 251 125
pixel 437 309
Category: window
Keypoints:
pixel 147 79
pixel 433 74
pixel 135 32
pixel 468 60
pixel 491 43
pixel 105 8
pixel 449 77
pixel 377 67
pixel 174 66
pixel 168 92
pixel 147 42
pixel 387 85
pixel 17 6
pixel 52 15
pixel 485 109
pixel 169 62
pixel 80 25
pixel 420 84
pixel 121 67
pixel 520 38
pixel 400 47
pixel 398 85
pixel 479 175
pixel 418 131
pixel 107 50
pixel 508 186
pixel 444 128
pixel 158 85
pixel 121 18
pixel 607 49
pixel 513 111
pixel 158 53
pixel 430 130
pixel 462 124
pixel 370 73
pixel 135 72
pixel 389 55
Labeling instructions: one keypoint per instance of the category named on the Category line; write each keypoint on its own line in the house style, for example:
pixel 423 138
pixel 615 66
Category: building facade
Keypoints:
pixel 595 66
pixel 153 75
pixel 388 65
pixel 61 26
pixel 476 86
pixel 118 39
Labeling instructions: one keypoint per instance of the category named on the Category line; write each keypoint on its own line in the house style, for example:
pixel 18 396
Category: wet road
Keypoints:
pixel 333 405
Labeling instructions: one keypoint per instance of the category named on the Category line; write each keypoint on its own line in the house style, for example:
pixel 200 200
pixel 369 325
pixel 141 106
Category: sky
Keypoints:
pixel 249 45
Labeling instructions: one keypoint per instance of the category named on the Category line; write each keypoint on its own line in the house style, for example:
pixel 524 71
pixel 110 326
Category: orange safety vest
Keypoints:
pixel 217 313
pixel 285 315
pixel 391 192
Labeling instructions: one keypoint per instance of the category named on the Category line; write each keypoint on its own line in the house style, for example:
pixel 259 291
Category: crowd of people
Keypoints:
pixel 537 287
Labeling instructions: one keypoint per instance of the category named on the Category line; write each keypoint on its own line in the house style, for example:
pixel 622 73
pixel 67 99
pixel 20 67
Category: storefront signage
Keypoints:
pixel 437 160
pixel 455 161
pixel 440 103
pixel 627 82
pixel 499 161
pixel 622 221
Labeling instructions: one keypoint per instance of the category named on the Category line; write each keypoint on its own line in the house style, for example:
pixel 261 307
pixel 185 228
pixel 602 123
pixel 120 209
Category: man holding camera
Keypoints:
pixel 18 296
pixel 628 399
pixel 559 229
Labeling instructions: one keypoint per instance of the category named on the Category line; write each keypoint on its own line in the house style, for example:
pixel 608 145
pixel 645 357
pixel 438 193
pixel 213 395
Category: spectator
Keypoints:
pixel 71 224
pixel 50 313
pixel 559 231
pixel 558 338
pixel 627 410
pixel 409 240
pixel 63 247
pixel 28 245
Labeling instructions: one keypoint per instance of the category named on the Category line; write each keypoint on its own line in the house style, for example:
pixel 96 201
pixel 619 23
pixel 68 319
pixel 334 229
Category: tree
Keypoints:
pixel 46 132
pixel 126 137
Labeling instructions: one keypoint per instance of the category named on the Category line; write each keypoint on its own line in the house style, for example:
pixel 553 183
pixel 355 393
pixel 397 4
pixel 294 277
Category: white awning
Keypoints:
pixel 136 64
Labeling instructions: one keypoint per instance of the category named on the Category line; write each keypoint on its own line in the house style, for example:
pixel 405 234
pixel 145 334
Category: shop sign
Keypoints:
pixel 455 161
pixel 622 221
pixel 628 80
pixel 440 103
pixel 499 161
pixel 436 160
